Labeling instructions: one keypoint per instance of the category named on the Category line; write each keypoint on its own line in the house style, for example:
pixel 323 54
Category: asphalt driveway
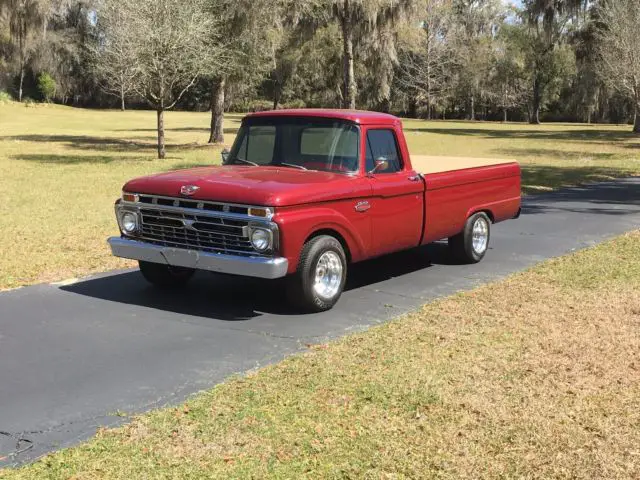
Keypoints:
pixel 76 357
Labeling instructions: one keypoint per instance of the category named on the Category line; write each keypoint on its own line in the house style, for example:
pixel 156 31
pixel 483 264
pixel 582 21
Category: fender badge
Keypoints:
pixel 189 190
pixel 362 206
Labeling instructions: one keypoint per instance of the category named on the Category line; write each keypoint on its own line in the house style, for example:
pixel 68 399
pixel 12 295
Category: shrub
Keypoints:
pixel 5 97
pixel 257 105
pixel 298 103
pixel 29 102
pixel 46 86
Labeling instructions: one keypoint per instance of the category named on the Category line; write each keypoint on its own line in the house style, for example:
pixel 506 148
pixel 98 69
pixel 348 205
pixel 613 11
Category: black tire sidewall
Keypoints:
pixel 311 253
pixel 470 253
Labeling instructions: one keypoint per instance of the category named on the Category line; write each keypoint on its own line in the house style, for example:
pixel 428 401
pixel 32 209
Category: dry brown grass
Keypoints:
pixel 536 376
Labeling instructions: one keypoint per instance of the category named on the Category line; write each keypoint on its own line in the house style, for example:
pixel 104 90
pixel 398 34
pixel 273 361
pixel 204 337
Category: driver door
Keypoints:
pixel 398 195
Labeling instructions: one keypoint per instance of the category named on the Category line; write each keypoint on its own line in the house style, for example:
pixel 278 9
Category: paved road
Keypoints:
pixel 73 357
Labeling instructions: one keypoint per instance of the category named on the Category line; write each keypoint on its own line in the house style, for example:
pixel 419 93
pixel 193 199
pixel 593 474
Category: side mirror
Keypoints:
pixel 225 155
pixel 381 163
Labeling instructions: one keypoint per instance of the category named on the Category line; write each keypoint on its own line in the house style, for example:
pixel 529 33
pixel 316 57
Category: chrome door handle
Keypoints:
pixel 414 178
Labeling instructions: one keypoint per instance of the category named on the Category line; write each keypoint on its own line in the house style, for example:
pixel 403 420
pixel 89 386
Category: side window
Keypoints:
pixel 382 143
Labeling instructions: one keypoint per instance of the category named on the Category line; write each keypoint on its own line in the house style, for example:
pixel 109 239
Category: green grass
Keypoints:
pixel 61 170
pixel 536 376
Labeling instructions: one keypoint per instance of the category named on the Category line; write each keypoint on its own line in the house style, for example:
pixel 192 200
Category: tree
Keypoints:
pixel 619 50
pixel 549 61
pixel 299 25
pixel 46 86
pixel 304 81
pixel 427 58
pixel 360 20
pixel 170 46
pixel 251 35
pixel 27 19
pixel 286 60
pixel 114 68
pixel 547 21
pixel 588 83
pixel 508 80
pixel 478 22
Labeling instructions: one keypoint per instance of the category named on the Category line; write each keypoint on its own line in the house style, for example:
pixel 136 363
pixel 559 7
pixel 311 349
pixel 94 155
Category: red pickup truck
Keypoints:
pixel 305 193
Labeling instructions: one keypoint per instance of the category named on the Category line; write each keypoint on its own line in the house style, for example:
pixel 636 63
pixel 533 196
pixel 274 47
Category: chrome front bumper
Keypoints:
pixel 214 262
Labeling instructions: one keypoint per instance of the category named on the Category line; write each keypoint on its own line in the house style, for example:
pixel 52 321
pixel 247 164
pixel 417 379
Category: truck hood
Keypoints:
pixel 249 185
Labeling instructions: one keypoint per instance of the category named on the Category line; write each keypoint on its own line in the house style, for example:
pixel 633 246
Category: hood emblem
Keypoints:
pixel 188 224
pixel 188 190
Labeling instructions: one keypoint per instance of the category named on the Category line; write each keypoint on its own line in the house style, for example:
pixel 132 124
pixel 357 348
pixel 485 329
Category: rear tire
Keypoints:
pixel 165 276
pixel 321 275
pixel 471 245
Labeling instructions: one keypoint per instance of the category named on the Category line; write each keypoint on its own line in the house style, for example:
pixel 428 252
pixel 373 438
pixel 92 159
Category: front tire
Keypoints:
pixel 321 275
pixel 471 245
pixel 165 276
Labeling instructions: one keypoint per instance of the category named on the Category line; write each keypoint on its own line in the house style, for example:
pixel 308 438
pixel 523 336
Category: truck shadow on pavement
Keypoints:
pixel 231 298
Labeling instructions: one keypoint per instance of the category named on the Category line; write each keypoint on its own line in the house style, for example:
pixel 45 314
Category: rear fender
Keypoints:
pixel 498 211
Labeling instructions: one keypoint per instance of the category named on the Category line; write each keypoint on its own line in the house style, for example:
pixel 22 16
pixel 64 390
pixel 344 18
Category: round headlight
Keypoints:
pixel 261 239
pixel 129 222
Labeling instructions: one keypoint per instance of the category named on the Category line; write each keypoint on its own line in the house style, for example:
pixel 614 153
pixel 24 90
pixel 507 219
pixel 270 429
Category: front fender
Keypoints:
pixel 298 224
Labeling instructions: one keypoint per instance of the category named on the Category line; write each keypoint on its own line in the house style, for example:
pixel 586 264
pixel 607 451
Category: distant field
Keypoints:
pixel 62 168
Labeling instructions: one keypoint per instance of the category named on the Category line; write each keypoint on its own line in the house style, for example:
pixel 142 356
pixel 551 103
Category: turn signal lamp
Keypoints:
pixel 130 197
pixel 260 212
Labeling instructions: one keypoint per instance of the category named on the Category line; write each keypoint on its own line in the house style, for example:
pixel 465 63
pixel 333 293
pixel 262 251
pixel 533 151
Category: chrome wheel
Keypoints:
pixel 328 275
pixel 480 235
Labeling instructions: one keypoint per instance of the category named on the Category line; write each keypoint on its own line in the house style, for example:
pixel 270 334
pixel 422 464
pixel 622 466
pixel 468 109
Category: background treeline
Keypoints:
pixel 540 60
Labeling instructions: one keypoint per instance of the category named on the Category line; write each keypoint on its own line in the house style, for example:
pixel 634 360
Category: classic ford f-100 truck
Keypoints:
pixel 305 193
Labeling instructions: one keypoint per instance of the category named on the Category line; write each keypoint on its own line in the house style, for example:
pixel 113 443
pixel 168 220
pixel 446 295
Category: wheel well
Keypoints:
pixel 488 213
pixel 334 234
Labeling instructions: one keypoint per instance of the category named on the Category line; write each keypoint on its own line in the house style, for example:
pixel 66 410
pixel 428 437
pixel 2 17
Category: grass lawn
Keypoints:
pixel 61 170
pixel 536 376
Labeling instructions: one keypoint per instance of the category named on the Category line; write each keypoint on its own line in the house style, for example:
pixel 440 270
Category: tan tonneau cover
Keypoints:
pixel 432 164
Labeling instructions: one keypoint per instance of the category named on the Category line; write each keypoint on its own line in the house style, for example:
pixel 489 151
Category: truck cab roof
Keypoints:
pixel 356 116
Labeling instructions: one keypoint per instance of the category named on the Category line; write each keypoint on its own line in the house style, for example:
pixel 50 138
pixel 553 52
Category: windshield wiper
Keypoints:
pixel 292 165
pixel 248 162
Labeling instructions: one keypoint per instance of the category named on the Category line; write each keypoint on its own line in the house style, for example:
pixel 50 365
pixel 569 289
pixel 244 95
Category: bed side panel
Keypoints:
pixel 451 197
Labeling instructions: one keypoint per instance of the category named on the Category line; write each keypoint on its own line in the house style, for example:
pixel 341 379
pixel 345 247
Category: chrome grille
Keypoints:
pixel 204 232
pixel 193 204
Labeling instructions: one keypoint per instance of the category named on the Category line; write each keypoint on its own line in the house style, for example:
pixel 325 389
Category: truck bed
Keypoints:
pixel 426 164
pixel 456 187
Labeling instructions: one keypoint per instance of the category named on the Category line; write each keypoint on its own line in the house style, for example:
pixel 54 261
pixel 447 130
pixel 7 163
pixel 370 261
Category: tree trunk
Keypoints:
pixel 277 92
pixel 349 82
pixel 122 105
pixel 385 106
pixel 21 82
pixel 217 111
pixel 472 112
pixel 504 115
pixel 161 150
pixel 413 107
pixel 534 118
pixel 636 120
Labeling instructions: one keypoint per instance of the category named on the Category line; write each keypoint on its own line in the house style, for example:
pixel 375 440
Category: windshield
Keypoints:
pixel 302 143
